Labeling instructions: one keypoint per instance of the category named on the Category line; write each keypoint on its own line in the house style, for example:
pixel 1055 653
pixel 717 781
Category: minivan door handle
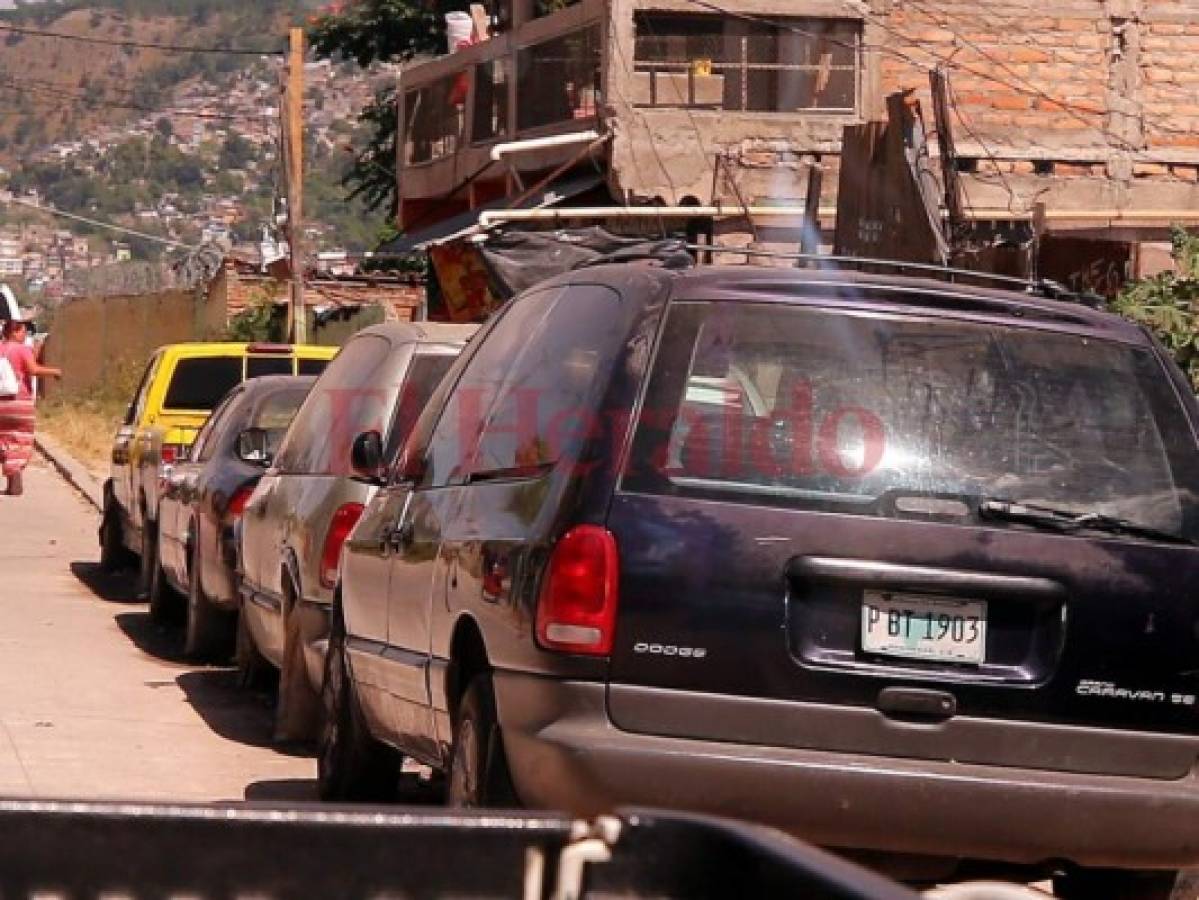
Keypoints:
pixel 871 573
pixel 917 703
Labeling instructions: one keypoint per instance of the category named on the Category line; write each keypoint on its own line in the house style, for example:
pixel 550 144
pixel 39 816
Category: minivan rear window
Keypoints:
pixel 424 374
pixel 355 395
pixel 199 383
pixel 837 411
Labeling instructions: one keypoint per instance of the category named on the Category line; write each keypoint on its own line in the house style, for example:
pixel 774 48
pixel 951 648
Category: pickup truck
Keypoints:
pixel 180 387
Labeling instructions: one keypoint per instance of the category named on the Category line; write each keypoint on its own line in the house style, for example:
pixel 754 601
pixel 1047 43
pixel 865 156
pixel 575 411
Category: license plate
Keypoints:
pixel 920 627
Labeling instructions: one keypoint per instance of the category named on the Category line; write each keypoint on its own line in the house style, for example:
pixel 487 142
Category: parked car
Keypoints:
pixel 928 588
pixel 305 506
pixel 202 499
pixel 180 387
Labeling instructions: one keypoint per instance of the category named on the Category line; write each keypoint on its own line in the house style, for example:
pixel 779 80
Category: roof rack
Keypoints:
pixel 1042 287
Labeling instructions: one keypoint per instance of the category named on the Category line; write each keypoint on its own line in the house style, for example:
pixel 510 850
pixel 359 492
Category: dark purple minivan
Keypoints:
pixel 894 564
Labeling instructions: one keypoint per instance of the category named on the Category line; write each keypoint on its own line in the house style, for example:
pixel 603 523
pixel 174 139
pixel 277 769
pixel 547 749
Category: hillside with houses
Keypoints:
pixel 192 163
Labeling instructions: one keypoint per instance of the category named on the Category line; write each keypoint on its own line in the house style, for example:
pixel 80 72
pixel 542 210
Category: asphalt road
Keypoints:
pixel 95 700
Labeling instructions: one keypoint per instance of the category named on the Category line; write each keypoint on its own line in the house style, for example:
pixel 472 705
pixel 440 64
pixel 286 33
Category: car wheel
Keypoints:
pixel 1114 884
pixel 479 774
pixel 113 555
pixel 210 631
pixel 350 764
pixel 148 557
pixel 165 603
pixel 252 667
pixel 298 708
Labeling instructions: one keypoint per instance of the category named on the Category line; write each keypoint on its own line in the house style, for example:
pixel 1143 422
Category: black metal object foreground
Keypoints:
pixel 60 849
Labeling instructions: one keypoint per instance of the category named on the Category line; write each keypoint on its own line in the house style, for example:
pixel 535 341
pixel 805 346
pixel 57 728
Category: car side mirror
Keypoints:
pixel 366 456
pixel 253 446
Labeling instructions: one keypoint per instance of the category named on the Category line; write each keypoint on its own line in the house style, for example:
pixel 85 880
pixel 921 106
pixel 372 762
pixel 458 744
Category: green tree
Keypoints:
pixel 236 152
pixel 371 31
pixel 1168 303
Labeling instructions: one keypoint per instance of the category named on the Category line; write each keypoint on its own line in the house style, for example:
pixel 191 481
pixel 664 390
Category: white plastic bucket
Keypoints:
pixel 459 27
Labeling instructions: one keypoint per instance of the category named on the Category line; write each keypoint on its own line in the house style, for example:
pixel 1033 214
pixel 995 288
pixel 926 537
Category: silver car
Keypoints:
pixel 308 501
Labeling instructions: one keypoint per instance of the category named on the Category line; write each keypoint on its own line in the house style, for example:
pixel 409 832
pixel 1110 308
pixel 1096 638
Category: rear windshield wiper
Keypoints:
pixel 1066 520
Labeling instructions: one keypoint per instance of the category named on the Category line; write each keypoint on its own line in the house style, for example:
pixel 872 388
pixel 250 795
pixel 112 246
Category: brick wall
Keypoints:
pixel 1024 72
pixel 1169 48
pixel 1084 105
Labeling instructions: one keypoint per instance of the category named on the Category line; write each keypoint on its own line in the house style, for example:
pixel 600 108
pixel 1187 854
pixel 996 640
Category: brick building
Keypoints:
pixel 1086 106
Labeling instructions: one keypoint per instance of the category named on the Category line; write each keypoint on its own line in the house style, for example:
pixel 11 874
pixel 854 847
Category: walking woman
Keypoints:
pixel 17 413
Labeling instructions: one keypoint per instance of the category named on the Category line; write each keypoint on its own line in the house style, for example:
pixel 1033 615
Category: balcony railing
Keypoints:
pixel 544 77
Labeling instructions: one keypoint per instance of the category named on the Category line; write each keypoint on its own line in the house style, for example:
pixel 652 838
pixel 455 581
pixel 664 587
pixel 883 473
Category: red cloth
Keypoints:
pixel 18 415
pixel 21 358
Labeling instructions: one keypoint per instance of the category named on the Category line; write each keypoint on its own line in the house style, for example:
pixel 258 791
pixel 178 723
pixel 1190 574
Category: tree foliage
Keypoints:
pixel 1168 303
pixel 379 31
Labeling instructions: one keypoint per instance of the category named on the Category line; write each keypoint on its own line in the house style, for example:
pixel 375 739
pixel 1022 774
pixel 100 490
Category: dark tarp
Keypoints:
pixel 517 260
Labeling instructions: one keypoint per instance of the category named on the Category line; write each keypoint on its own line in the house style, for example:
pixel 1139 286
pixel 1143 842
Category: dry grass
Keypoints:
pixel 84 427
pixel 85 423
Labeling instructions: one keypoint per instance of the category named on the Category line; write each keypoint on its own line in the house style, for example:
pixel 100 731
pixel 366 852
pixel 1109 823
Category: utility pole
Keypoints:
pixel 949 170
pixel 292 110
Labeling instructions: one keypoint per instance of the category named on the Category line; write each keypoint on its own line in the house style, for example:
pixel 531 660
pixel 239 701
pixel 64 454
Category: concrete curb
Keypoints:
pixel 75 472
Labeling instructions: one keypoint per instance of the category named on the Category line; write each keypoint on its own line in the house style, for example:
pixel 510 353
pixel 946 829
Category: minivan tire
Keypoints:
pixel 1114 884
pixel 350 763
pixel 479 775
pixel 209 634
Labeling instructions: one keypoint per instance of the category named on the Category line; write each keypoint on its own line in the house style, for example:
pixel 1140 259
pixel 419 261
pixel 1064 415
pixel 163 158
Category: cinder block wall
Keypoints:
pixel 1081 104
pixel 96 339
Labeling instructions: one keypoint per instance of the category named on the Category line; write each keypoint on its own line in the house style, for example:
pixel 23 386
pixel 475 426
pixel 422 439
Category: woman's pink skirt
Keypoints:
pixel 17 419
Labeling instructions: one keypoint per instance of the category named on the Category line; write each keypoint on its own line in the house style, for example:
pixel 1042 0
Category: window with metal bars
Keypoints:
pixel 787 65
pixel 433 119
pixel 559 80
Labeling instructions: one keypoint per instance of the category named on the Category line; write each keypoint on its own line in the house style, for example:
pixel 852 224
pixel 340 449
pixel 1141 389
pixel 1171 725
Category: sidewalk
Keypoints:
pixel 95 701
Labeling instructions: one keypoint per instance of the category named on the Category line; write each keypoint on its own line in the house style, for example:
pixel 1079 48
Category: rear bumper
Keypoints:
pixel 565 753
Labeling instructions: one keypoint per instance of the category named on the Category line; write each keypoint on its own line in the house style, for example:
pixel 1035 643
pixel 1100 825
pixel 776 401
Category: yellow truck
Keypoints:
pixel 181 386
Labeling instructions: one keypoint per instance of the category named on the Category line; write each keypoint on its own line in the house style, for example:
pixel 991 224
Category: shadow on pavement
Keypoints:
pixel 112 587
pixel 160 641
pixel 283 789
pixel 235 713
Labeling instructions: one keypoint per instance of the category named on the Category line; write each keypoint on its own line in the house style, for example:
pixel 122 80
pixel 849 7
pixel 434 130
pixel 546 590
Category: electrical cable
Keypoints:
pixel 106 225
pixel 951 96
pixel 1072 109
pixel 61 96
pixel 142 45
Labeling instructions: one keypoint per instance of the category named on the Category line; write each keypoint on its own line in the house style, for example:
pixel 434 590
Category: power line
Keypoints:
pixel 143 45
pixel 1066 106
pixel 105 225
pixel 51 92
pixel 1007 185
pixel 1021 79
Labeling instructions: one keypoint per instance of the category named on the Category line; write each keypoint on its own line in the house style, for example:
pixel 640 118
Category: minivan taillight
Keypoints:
pixel 576 612
pixel 340 527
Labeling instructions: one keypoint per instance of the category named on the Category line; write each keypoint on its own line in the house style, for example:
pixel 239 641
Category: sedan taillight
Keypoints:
pixel 172 453
pixel 340 527
pixel 576 612
pixel 238 502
